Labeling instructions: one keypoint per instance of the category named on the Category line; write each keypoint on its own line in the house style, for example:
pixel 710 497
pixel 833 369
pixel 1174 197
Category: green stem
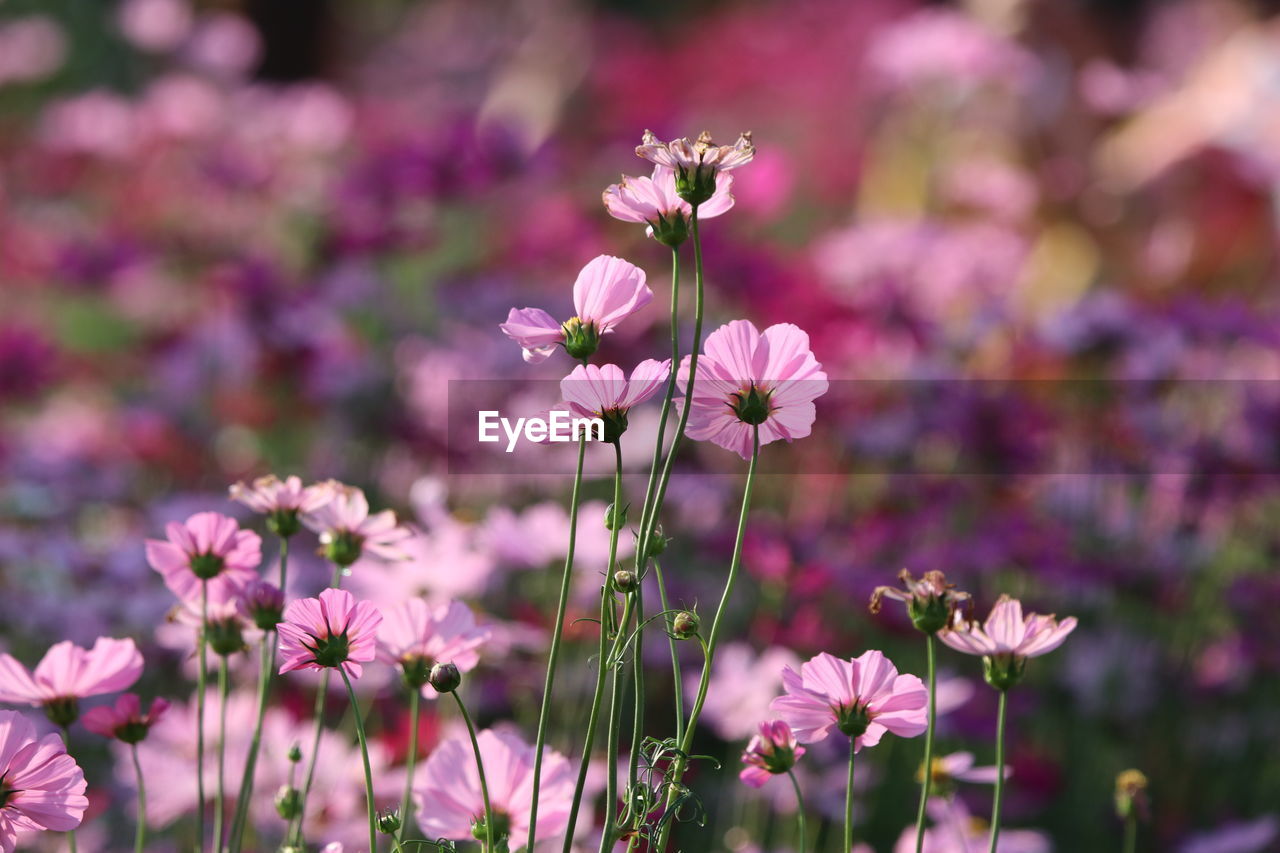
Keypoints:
pixel 201 663
pixel 848 797
pixel 364 755
pixel 611 758
pixel 676 676
pixel 219 797
pixel 322 693
pixel 637 718
pixel 140 833
pixel 484 785
pixel 1131 832
pixel 926 784
pixel 66 743
pixel 717 625
pixel 795 783
pixel 999 797
pixel 406 803
pixel 557 635
pixel 265 667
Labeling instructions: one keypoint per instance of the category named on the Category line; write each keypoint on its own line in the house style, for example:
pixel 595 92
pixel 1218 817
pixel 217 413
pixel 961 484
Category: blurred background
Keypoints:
pixel 1033 240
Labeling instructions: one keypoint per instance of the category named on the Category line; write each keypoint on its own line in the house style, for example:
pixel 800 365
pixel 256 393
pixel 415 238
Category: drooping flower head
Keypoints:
pixel 746 379
pixel 931 601
pixel 125 721
pixel 608 290
pixel 451 805
pixel 207 547
pixel 416 637
pixel 653 201
pixel 333 630
pixel 281 501
pixel 605 392
pixel 863 698
pixel 41 787
pixel 1007 639
pixel 774 750
pixel 696 164
pixel 68 673
pixel 347 531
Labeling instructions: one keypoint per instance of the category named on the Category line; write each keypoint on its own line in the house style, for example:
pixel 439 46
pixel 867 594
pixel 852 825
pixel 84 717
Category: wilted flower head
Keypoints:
pixel 747 378
pixel 347 530
pixel 1007 639
pixel 41 787
pixel 605 392
pixel 863 698
pixel 125 720
pixel 207 547
pixel 281 501
pixel 608 290
pixel 696 164
pixel 68 673
pixel 931 601
pixel 774 750
pixel 653 201
pixel 416 636
pixel 330 631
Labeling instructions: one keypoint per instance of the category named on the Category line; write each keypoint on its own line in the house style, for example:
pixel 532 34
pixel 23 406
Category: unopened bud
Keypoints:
pixel 225 636
pixel 624 580
pixel 685 625
pixel 657 542
pixel 389 821
pixel 580 339
pixel 614 520
pixel 445 677
pixel 295 753
pixel 288 802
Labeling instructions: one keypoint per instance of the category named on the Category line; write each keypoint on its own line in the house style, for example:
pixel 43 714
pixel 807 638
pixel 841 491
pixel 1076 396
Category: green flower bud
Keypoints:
pixel 389 821
pixel 445 677
pixel 685 625
pixel 580 339
pixel 288 802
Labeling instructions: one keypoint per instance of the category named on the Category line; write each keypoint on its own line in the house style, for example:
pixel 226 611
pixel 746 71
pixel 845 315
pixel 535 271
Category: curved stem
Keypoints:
pixel 201 663
pixel 795 783
pixel 66 744
pixel 1131 832
pixel 219 796
pixel 611 759
pixel 265 667
pixel 406 803
pixel 322 693
pixel 999 797
pixel 848 797
pixel 557 635
pixel 676 677
pixel 484 785
pixel 140 833
pixel 927 782
pixel 364 755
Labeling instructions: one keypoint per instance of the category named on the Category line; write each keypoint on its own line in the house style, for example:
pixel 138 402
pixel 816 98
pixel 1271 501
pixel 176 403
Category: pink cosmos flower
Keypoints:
pixel 68 673
pixel 125 720
pixel 605 392
pixel 956 830
pixel 41 787
pixel 281 500
pixel 209 547
pixel 746 377
pixel 347 530
pixel 774 750
pixel 330 631
pixel 416 636
pixel 696 164
pixel 654 202
pixel 959 767
pixel 863 698
pixel 608 291
pixel 448 788
pixel 1007 639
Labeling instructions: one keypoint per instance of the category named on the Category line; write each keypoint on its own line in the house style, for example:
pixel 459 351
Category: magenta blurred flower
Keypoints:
pixel 31 48
pixel 125 720
pixel 155 25
pixel 42 787
pixel 863 698
pixel 330 631
pixel 68 673
pixel 261 603
pixel 956 830
pixel 282 501
pixel 653 201
pixel 416 636
pixel 747 378
pixel 208 547
pixel 774 750
pixel 607 291
pixel 450 801
pixel 347 530
pixel 606 392
pixel 1007 639
pixel 696 164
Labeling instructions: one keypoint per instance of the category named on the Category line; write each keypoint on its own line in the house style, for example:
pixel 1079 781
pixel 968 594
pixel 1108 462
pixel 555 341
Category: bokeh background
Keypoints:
pixel 242 237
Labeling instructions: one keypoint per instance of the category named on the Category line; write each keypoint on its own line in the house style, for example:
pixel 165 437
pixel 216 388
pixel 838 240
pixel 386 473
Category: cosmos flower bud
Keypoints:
pixel 342 548
pixel 624 580
pixel 225 636
pixel 445 678
pixel 389 821
pixel 932 603
pixel 771 752
pixel 263 604
pixel 614 520
pixel 501 829
pixel 657 542
pixel 295 754
pixel 288 802
pixel 685 625
pixel 1131 794
pixel 581 339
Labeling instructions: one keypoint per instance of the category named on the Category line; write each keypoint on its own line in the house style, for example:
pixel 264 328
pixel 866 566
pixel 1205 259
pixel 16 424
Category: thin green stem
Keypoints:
pixel 406 802
pixel 927 781
pixel 364 755
pixel 265 667
pixel 611 758
pixel 224 690
pixel 1131 832
pixel 66 743
pixel 637 717
pixel 201 675
pixel 557 636
pixel 795 784
pixel 322 694
pixel 848 796
pixel 140 833
pixel 676 677
pixel 484 784
pixel 999 796
pixel 717 626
